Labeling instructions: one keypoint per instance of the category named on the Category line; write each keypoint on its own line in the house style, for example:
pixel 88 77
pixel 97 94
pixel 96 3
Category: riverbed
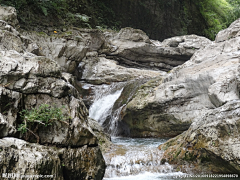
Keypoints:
pixel 137 159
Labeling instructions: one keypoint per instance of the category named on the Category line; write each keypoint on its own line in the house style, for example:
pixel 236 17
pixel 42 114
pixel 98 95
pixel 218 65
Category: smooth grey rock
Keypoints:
pixel 232 31
pixel 99 70
pixel 133 48
pixel 208 80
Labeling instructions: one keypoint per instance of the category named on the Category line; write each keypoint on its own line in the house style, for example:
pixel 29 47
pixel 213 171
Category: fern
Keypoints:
pixel 44 10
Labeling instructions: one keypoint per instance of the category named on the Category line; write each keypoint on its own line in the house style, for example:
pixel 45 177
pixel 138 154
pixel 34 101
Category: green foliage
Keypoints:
pixel 44 6
pixel 45 115
pixel 218 14
pixel 215 13
pixel 235 13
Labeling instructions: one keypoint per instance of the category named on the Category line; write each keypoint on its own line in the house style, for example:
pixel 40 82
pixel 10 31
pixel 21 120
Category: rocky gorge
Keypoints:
pixel 186 87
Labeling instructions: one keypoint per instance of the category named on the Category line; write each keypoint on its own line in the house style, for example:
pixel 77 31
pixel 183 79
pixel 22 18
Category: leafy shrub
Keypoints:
pixel 45 115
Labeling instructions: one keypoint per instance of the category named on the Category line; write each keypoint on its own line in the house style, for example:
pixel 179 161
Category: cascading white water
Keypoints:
pixel 114 121
pixel 130 158
pixel 101 109
pixel 137 159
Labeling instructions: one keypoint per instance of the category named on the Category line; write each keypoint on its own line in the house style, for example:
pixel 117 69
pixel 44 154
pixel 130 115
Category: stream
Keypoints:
pixel 137 159
pixel 130 158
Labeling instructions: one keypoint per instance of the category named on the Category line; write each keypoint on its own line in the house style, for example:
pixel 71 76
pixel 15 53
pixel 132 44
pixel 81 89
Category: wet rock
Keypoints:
pixel 116 127
pixel 104 139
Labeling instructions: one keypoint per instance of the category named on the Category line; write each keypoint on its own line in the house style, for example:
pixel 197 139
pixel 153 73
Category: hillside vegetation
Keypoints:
pixel 160 19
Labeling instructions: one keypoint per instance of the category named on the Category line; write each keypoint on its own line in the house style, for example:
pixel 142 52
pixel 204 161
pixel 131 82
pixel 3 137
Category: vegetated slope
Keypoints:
pixel 160 19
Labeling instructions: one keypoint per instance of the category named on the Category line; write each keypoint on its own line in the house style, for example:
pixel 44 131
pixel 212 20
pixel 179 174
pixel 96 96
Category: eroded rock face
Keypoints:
pixel 172 103
pixel 88 163
pixel 9 14
pixel 73 132
pixel 9 103
pixel 27 81
pixel 133 48
pixel 29 74
pixel 67 49
pixel 28 159
pixel 99 70
pixel 211 142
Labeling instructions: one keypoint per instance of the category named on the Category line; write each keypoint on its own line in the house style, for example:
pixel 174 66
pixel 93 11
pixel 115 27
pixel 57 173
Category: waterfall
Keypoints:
pixel 105 97
pixel 101 108
pixel 129 158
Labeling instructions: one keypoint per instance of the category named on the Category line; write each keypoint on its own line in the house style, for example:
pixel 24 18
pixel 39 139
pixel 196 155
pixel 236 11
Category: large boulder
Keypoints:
pixel 38 78
pixel 26 160
pixel 133 48
pixel 99 70
pixel 210 144
pixel 168 106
